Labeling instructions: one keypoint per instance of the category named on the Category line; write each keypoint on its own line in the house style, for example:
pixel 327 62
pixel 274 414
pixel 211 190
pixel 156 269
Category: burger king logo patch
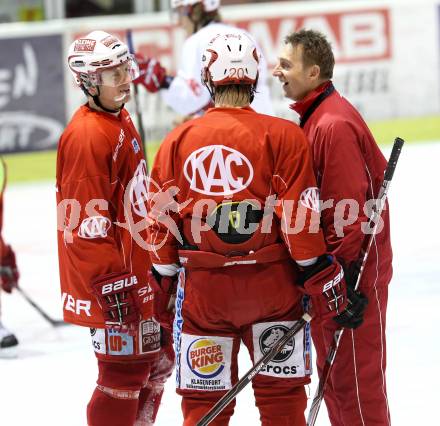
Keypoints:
pixel 204 362
pixel 205 358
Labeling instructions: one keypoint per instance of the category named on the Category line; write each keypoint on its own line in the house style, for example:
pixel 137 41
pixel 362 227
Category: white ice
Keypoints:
pixel 52 376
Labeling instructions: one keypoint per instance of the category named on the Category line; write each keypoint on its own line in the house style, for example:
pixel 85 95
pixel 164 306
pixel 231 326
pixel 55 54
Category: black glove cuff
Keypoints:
pixel 166 83
pixel 156 275
pixel 307 272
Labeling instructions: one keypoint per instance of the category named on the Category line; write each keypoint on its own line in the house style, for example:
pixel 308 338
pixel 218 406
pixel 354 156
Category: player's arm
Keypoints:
pixel 297 205
pixel 163 209
pixel 163 233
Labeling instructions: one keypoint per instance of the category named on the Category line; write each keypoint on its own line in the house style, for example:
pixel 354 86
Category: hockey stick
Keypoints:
pixel 246 379
pixel 136 103
pixel 389 172
pixel 53 322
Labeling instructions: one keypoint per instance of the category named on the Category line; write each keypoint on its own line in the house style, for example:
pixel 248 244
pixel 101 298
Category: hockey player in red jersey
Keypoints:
pixel 232 201
pixel 349 167
pixel 101 193
pixel 8 268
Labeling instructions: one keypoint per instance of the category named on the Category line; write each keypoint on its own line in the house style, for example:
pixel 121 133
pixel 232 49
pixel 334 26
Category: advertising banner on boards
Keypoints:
pixel 32 95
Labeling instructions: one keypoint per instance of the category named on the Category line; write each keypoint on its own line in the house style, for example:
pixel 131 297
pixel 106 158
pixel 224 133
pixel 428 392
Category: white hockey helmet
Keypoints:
pixel 208 5
pixel 97 58
pixel 230 58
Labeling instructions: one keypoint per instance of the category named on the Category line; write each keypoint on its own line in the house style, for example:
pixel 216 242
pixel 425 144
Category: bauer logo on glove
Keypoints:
pixel 117 295
pixel 334 282
pixel 119 284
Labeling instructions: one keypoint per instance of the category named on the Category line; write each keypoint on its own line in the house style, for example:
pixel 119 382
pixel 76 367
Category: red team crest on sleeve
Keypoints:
pixel 94 227
pixel 310 199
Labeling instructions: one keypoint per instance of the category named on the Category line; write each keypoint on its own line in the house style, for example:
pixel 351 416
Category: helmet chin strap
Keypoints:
pixel 98 101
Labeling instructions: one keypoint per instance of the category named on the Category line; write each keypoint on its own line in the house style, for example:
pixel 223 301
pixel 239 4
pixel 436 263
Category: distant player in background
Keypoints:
pixel 101 193
pixel 217 178
pixel 348 166
pixel 185 92
pixel 8 268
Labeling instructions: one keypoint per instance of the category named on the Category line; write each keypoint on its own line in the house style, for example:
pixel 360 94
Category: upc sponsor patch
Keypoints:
pixel 205 362
pixel 290 361
pixel 149 336
pixel 119 343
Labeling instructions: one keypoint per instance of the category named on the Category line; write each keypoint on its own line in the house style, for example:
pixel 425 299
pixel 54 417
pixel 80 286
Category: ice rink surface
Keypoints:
pixel 50 379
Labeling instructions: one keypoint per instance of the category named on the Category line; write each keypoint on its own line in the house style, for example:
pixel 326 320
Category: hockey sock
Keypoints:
pixel 105 410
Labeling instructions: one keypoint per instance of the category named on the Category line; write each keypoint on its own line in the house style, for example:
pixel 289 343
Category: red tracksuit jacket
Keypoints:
pixel 348 164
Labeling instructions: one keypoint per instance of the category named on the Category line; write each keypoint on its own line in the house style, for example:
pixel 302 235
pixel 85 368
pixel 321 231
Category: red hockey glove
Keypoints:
pixel 152 74
pixel 8 270
pixel 165 289
pixel 117 296
pixel 325 284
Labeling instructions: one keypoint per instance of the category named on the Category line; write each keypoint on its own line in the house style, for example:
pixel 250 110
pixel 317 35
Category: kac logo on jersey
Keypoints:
pixel 269 338
pixel 205 358
pixel 94 227
pixel 138 190
pixel 310 198
pixel 218 170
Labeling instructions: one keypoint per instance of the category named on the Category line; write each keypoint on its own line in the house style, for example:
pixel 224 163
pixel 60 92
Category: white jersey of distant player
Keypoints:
pixel 187 95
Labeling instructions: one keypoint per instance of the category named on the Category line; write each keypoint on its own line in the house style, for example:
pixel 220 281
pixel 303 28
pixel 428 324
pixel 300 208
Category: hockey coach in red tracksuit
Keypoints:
pixel 233 199
pixel 349 168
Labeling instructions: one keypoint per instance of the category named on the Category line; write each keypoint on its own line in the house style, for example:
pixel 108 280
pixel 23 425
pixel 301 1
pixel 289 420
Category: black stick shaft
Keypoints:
pixel 137 108
pixel 394 157
pixel 52 321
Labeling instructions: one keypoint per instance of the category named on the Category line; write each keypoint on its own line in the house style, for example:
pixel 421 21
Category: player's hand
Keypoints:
pixel 324 282
pixel 117 295
pixel 152 74
pixel 353 316
pixel 9 274
pixel 165 289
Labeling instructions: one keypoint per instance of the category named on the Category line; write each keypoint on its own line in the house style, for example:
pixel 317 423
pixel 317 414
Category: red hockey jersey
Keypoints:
pixel 227 156
pixel 101 194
